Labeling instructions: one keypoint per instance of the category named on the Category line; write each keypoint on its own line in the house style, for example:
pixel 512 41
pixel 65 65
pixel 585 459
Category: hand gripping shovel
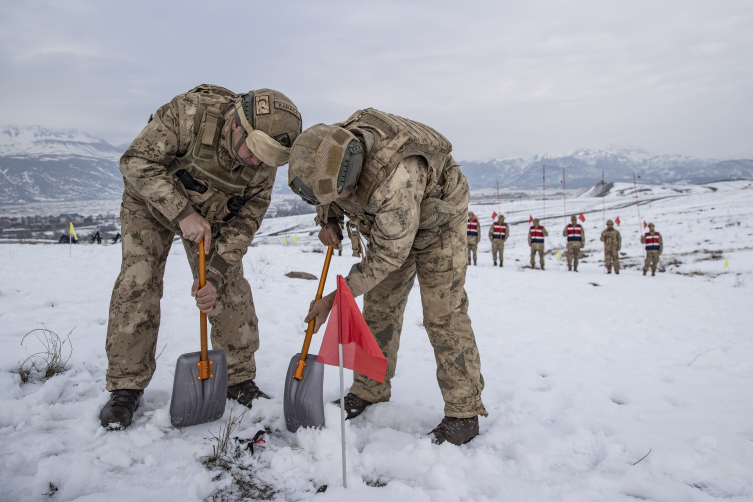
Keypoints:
pixel 304 402
pixel 200 385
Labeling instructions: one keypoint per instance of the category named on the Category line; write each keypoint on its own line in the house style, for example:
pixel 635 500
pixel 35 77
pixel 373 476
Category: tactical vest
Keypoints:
pixel 652 242
pixel 473 227
pixel 537 235
pixel 574 233
pixel 201 159
pixel 395 139
pixel 500 231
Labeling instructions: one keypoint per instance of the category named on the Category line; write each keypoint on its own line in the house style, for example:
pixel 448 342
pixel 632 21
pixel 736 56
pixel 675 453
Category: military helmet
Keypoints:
pixel 470 214
pixel 573 218
pixel 324 161
pixel 535 221
pixel 610 223
pixel 501 217
pixel 650 225
pixel 271 123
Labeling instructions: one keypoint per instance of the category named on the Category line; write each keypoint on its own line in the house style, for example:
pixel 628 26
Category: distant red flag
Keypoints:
pixel 644 224
pixel 582 218
pixel 530 219
pixel 617 220
pixel 361 352
pixel 494 215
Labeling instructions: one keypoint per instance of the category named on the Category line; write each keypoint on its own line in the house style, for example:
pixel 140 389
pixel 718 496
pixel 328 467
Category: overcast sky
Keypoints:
pixel 499 79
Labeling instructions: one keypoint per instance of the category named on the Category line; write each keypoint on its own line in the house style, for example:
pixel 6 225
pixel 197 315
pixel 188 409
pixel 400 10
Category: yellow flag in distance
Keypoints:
pixel 726 264
pixel 559 255
pixel 295 238
pixel 284 240
pixel 72 231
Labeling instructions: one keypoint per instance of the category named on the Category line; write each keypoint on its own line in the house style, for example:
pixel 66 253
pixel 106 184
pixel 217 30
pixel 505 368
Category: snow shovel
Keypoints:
pixel 200 385
pixel 303 402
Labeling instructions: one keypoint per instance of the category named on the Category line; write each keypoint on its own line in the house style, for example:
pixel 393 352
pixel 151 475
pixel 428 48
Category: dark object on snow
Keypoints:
pixel 257 439
pixel 96 238
pixel 66 239
pixel 322 489
pixel 200 382
pixel 119 410
pixel 455 430
pixel 116 238
pixel 354 405
pixel 301 275
pixel 245 392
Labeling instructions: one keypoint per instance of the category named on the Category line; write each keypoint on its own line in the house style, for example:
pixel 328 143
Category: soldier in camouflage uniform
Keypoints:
pixel 612 244
pixel 473 235
pixel 536 236
pixel 654 248
pixel 576 239
pixel 202 168
pixel 498 234
pixel 401 189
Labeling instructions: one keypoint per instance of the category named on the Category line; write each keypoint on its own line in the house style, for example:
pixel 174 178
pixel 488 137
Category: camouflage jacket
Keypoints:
pixel 390 221
pixel 146 170
pixel 612 239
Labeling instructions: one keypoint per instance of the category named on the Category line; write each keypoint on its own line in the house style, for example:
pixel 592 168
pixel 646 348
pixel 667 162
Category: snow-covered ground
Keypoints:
pixel 585 373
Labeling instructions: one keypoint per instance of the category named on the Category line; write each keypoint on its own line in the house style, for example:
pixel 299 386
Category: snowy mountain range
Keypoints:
pixel 37 164
pixel 584 167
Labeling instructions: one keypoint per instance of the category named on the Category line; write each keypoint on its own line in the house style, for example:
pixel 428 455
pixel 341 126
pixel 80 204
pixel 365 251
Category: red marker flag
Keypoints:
pixel 346 325
pixel 617 220
pixel 494 215
pixel 530 219
pixel 582 218
pixel 644 224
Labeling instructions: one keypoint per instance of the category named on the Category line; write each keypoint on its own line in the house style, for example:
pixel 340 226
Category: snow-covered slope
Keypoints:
pixel 584 168
pixel 586 373
pixel 37 165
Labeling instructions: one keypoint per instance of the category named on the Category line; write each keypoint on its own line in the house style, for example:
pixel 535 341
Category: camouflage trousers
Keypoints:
pixel 652 260
pixel 537 248
pixel 438 258
pixel 135 306
pixel 573 254
pixel 612 258
pixel 498 249
pixel 472 250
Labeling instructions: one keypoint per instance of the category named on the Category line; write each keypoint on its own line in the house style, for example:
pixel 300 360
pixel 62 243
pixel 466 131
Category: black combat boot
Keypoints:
pixel 119 410
pixel 245 392
pixel 644 271
pixel 495 264
pixel 653 273
pixel 609 271
pixel 455 430
pixel 354 405
pixel 569 269
pixel 617 272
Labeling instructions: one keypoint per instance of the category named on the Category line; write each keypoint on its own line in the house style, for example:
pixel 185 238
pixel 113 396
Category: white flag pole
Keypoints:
pixel 342 413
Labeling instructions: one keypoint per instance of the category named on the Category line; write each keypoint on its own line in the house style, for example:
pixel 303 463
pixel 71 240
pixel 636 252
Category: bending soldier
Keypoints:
pixel 203 168
pixel 576 239
pixel 474 235
pixel 612 244
pixel 654 248
pixel 398 184
pixel 498 234
pixel 536 236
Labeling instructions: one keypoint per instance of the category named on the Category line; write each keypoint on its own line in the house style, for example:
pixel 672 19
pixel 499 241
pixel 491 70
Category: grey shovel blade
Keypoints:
pixel 304 399
pixel 198 401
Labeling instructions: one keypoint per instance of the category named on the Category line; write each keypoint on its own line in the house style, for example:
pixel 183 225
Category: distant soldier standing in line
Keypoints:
pixel 474 231
pixel 576 238
pixel 654 248
pixel 536 236
pixel 498 234
pixel 612 244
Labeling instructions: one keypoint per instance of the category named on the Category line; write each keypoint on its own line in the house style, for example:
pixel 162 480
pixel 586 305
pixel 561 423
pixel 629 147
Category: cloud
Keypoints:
pixel 498 78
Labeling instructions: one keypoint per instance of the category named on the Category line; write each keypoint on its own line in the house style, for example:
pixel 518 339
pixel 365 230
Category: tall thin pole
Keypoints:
pixel 342 385
pixel 70 237
pixel 564 196
pixel 638 207
pixel 543 171
pixel 498 206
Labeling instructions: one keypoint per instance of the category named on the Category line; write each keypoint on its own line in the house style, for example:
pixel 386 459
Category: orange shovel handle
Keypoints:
pixel 310 331
pixel 205 366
